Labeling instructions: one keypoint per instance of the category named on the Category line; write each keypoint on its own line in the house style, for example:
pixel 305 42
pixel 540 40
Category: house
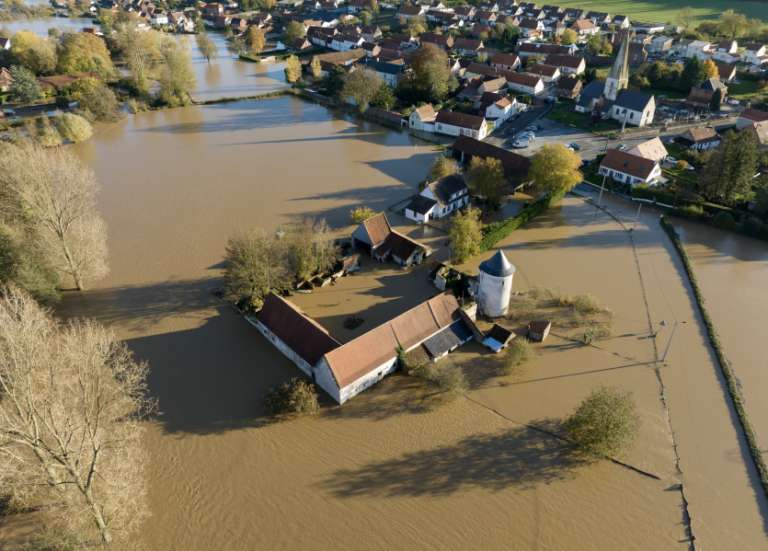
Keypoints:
pixel 346 40
pixel 701 96
pixel 530 27
pixel 453 123
pixel 492 85
pixel 180 22
pixel 423 118
pixel 628 168
pixel 568 64
pixel 585 27
pixel 213 10
pixel 633 108
pixel 409 11
pixel 468 46
pixel 527 49
pixel 700 139
pixel 371 33
pixel 377 236
pixel 525 83
pixel 697 48
pixel 726 71
pixel 568 87
pixel 439 199
pixel 590 97
pixel 505 62
pixel 465 13
pixel 598 17
pixel 660 44
pixel 498 338
pixel 474 70
pixel 444 41
pixel 502 109
pixel 547 73
pixel 5 43
pixel 391 73
pixel 751 118
pixel 300 44
pixel 652 149
pixel 434 327
pixel 5 79
pixel 297 336
pixel 338 59
pixel 487 18
pixel 464 149
pixel 754 53
pixel 621 21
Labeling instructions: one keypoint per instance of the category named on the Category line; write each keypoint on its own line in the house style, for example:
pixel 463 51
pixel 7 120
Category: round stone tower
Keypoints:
pixel 495 285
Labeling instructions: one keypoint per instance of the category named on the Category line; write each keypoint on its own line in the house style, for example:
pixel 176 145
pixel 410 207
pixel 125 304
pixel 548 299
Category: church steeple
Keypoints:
pixel 618 78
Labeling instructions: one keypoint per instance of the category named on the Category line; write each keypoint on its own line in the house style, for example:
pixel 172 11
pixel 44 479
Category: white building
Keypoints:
pixel 633 108
pixel 494 285
pixel 525 83
pixel 697 48
pixel 502 109
pixel 628 168
pixel 423 118
pixel 755 53
pixel 453 123
pixel 439 199
pixel 652 149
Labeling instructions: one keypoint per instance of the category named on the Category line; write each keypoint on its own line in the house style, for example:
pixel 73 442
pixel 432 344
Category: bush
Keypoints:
pixel 582 304
pixel 694 212
pixel 361 213
pixel 295 397
pixel 605 423
pixel 518 352
pixel 724 220
pixel 74 128
pixel 449 379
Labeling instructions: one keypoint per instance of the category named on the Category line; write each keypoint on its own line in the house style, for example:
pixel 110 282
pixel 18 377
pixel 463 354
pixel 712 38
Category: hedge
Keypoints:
pixel 495 232
pixel 725 367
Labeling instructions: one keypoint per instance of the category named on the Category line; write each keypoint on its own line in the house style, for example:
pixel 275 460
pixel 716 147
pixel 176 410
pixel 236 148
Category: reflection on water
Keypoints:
pixel 226 76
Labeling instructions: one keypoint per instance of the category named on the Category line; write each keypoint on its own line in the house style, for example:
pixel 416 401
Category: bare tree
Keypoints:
pixel 71 403
pixel 59 196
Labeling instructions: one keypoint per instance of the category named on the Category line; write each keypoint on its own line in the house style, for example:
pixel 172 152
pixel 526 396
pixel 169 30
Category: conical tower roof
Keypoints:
pixel 497 265
pixel 620 69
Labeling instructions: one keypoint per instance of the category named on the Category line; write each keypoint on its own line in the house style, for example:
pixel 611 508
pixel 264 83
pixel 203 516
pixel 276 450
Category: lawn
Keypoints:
pixel 564 113
pixel 663 11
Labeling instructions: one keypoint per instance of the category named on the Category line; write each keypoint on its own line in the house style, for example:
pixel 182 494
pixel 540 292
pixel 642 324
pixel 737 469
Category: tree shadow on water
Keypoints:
pixel 520 457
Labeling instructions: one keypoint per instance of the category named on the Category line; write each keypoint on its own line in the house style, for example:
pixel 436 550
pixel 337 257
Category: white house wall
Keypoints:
pixel 278 343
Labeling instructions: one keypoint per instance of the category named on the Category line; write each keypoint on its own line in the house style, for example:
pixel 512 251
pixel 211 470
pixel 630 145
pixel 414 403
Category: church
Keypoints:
pixel 610 98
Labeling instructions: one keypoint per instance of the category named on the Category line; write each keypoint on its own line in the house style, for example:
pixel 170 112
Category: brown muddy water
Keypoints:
pixel 389 470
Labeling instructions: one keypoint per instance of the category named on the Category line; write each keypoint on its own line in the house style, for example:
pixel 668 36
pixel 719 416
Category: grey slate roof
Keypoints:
pixel 446 340
pixel 447 186
pixel 590 92
pixel 634 100
pixel 421 204
pixel 497 265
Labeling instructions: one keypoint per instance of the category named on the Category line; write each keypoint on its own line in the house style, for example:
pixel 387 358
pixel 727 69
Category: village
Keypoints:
pixel 425 267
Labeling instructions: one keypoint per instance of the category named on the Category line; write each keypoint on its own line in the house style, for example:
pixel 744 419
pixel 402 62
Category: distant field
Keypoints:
pixel 663 11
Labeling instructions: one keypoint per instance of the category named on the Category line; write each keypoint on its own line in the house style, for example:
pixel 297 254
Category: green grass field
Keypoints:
pixel 664 11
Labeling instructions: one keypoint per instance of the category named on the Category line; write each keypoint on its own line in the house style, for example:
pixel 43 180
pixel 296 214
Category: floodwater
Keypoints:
pixel 226 76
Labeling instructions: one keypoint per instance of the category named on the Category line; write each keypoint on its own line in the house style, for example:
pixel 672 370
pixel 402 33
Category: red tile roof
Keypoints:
pixel 634 165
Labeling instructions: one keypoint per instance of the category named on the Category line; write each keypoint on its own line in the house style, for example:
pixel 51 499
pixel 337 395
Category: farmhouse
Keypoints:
pixel 423 118
pixel 376 236
pixel 439 199
pixel 628 168
pixel 700 139
pixel 525 83
pixel 568 64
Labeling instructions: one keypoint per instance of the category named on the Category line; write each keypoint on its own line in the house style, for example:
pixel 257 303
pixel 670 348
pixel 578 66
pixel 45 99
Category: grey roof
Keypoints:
pixel 590 92
pixel 447 186
pixel 497 265
pixel 634 100
pixel 446 340
pixel 421 204
pixel 383 67
pixel 713 84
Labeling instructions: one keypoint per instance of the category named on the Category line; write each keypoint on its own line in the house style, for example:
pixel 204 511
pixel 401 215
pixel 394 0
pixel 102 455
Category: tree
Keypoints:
pixel 45 133
pixel 384 97
pixel 416 26
pixel 693 73
pixel 466 234
pixel 717 100
pixel 23 263
pixel 442 167
pixel 24 85
pixel 431 75
pixel 729 173
pixel 141 52
pixel 33 52
pixel 255 39
pixel 685 17
pixel 316 67
pixel 177 80
pixel 605 423
pixel 310 250
pixel 518 352
pixel 359 214
pixel 106 21
pixel 255 265
pixel 96 100
pixel 72 399
pixel 84 53
pixel 74 128
pixel 598 45
pixel 555 169
pixel 206 46
pixel 569 36
pixel 710 69
pixel 58 194
pixel 366 17
pixel 292 69
pixel 293 32
pixel 373 5
pixel 732 24
pixel 485 178
pixel 294 397
pixel 361 86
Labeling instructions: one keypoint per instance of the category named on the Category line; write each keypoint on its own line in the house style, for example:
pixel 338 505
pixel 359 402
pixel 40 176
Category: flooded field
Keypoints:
pixel 226 76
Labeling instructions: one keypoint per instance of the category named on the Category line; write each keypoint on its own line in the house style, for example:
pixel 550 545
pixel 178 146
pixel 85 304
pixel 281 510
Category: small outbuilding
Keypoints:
pixel 498 338
pixel 538 331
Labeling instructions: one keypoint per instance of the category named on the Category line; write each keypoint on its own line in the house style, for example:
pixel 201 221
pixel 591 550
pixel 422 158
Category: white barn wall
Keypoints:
pixel 281 346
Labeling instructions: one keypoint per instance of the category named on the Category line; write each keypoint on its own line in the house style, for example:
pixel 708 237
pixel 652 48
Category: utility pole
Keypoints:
pixel 669 343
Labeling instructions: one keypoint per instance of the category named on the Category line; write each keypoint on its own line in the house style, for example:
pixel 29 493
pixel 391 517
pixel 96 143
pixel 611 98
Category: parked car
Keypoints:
pixel 574 146
pixel 521 143
pixel 622 147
